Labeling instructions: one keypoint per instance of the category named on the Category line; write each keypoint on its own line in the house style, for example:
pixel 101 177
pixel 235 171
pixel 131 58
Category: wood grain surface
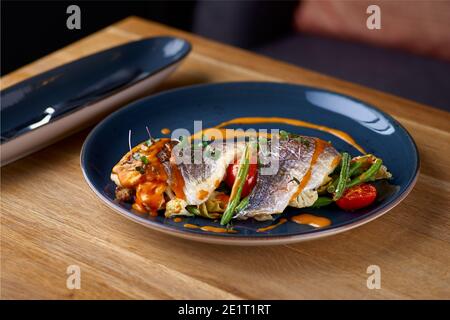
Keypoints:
pixel 50 219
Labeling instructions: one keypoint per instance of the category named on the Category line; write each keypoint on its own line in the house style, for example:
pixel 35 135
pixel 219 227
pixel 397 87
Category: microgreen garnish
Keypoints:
pixel 262 140
pixel 129 142
pixel 300 139
pixel 284 134
pixel 144 160
pixel 304 142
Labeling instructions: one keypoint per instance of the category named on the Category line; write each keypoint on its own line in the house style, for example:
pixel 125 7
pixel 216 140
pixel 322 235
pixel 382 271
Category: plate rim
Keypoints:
pixel 248 240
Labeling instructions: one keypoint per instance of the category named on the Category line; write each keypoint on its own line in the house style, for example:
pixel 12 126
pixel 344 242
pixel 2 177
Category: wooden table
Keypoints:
pixel 51 219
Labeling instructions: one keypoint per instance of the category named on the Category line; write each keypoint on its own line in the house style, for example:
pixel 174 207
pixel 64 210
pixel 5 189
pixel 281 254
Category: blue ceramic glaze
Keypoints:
pixel 49 96
pixel 374 130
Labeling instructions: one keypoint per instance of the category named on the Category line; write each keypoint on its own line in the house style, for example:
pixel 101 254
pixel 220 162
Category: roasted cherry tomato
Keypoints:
pixel 250 182
pixel 357 197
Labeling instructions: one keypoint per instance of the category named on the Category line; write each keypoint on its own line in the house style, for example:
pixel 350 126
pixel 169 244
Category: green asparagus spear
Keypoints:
pixel 284 134
pixel 236 190
pixel 193 210
pixel 355 166
pixel 242 204
pixel 343 176
pixel 368 175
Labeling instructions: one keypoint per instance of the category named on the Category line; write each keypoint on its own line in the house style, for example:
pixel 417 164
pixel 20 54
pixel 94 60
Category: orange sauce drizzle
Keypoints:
pixel 294 122
pixel 150 196
pixel 312 220
pixel 202 194
pixel 320 146
pixel 191 226
pixel 223 197
pixel 210 228
pixel 336 161
pixel 176 181
pixel 165 131
pixel 177 219
pixel 150 184
pixel 217 229
pixel 273 226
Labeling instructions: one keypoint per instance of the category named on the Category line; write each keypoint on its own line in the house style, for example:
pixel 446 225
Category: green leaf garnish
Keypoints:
pixel 284 134
pixel 305 142
pixel 144 160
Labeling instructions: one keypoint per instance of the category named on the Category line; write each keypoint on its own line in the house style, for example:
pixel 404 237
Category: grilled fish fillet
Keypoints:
pixel 201 179
pixel 299 166
pixel 325 164
pixel 304 163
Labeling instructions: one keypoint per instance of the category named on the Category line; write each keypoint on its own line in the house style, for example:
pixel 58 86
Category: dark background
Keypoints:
pixel 32 29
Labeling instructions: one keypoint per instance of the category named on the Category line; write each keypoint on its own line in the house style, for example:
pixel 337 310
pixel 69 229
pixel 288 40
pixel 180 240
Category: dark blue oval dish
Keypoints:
pixel 374 130
pixel 47 107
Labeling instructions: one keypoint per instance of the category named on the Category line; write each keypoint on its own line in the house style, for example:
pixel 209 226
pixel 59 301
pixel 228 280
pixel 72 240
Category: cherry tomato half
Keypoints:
pixel 250 182
pixel 357 197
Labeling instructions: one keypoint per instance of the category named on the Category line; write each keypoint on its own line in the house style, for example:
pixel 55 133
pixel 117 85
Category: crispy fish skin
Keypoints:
pixel 272 193
pixel 164 157
pixel 201 179
pixel 321 169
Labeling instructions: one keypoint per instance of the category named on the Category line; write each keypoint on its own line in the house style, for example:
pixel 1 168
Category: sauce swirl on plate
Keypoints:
pixel 294 122
pixel 209 228
pixel 312 220
pixel 273 226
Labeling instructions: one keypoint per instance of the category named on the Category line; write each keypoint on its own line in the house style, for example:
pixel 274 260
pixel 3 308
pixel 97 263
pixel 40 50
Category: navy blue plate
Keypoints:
pixel 374 130
pixel 84 89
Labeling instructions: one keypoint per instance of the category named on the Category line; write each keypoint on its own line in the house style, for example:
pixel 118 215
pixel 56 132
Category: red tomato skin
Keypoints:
pixel 357 197
pixel 231 174
pixel 249 182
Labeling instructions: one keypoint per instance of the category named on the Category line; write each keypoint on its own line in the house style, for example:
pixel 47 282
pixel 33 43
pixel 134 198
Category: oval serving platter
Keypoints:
pixel 45 108
pixel 374 130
